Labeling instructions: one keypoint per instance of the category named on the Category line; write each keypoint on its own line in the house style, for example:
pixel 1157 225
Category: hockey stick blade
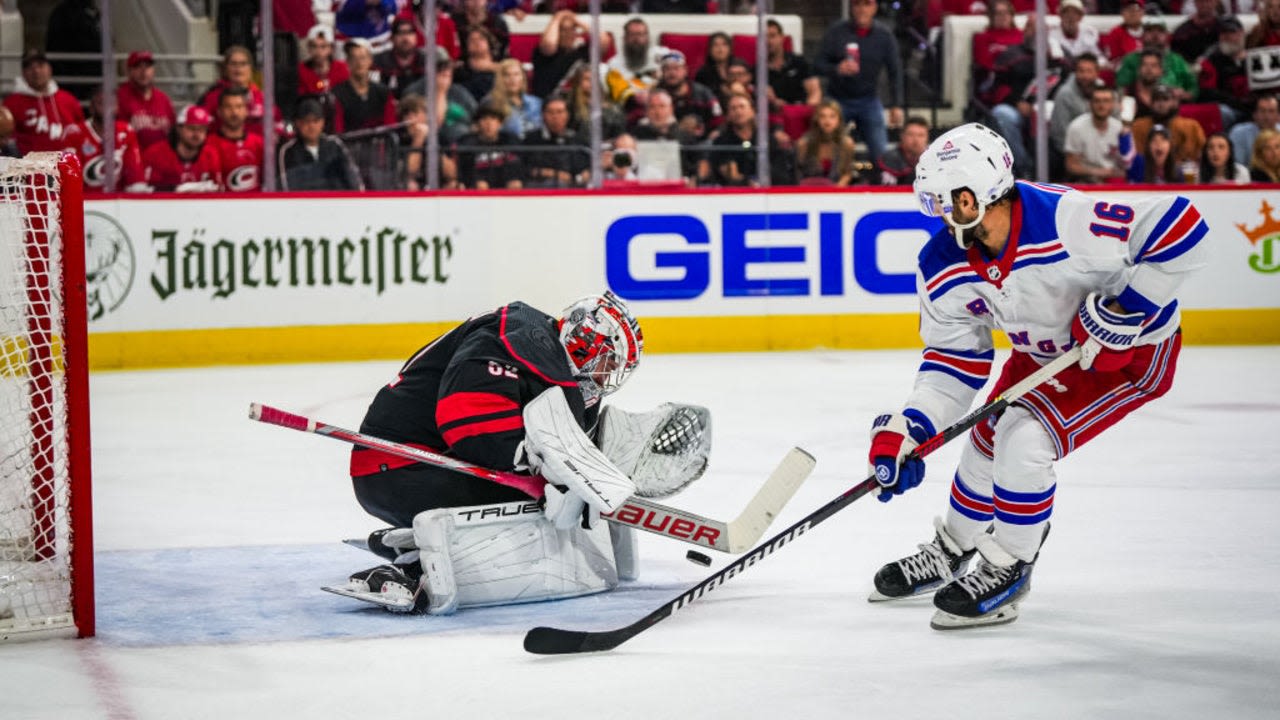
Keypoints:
pixel 636 512
pixel 555 641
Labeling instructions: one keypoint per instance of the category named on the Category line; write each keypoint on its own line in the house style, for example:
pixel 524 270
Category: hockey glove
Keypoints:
pixel 1105 336
pixel 893 436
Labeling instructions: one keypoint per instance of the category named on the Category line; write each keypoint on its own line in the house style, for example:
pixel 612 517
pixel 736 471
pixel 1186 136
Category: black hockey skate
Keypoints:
pixel 936 564
pixel 381 549
pixel 989 594
pixel 397 588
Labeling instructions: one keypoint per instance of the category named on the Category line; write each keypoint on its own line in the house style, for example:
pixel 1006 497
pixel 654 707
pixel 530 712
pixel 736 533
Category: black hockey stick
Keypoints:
pixel 554 641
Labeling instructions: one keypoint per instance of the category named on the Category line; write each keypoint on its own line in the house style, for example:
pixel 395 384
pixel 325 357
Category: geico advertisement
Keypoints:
pixel 214 263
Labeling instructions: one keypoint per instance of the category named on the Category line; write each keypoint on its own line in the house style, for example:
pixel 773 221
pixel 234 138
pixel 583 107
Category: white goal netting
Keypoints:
pixel 36 529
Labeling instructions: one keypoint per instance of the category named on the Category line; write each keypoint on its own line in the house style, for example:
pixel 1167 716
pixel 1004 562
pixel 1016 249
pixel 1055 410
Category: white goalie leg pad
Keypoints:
pixel 508 553
pixel 559 450
pixel 662 450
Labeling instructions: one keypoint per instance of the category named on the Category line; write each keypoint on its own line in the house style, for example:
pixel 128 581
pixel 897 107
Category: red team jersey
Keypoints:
pixel 165 171
pixel 43 121
pixel 88 146
pixel 151 118
pixel 240 160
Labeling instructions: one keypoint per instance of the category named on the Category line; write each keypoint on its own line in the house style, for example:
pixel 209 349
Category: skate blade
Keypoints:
pixel 389 602
pixel 946 621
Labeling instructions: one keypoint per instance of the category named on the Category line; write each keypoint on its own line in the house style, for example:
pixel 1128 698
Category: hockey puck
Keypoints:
pixel 697 557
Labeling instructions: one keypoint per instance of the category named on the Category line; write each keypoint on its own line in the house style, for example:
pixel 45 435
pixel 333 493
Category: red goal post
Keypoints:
pixel 46 524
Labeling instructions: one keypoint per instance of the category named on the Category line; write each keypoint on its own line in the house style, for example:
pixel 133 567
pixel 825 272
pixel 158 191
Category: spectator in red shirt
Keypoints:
pixel 89 147
pixel 1224 76
pixel 237 71
pixel 187 163
pixel 361 103
pixel 141 104
pixel 1000 35
pixel 1127 36
pixel 240 152
pixel 320 73
pixel 1198 33
pixel 46 117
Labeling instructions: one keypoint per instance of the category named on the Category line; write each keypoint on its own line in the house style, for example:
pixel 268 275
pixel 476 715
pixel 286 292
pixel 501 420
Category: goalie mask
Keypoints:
pixel 970 157
pixel 603 340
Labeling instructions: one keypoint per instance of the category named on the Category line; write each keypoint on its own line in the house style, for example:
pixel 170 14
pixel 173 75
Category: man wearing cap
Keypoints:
pixel 1074 37
pixel 312 160
pixel 1197 33
pixel 320 72
pixel 402 64
pixel 44 114
pixel 140 103
pixel 1224 76
pixel 1127 36
pixel 189 163
pixel 1186 134
pixel 687 97
pixel 1177 73
pixel 852 56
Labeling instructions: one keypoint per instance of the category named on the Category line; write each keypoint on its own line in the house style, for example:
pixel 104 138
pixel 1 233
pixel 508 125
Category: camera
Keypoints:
pixel 622 158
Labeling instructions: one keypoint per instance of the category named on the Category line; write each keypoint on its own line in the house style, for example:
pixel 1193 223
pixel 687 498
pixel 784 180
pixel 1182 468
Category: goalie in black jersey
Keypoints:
pixel 515 390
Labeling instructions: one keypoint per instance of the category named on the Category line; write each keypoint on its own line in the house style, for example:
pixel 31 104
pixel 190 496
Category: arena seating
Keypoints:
pixel 957 53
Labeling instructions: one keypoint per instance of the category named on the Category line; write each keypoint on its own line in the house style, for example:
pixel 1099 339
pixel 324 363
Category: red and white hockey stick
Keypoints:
pixel 734 536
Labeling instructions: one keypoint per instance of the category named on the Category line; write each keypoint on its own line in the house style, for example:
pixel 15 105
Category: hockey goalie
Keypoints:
pixel 520 391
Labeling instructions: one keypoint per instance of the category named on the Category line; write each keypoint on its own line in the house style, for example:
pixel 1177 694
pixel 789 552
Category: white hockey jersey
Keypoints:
pixel 1063 244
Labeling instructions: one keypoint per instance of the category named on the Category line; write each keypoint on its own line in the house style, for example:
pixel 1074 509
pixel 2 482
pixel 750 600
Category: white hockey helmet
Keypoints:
pixel 603 340
pixel 971 156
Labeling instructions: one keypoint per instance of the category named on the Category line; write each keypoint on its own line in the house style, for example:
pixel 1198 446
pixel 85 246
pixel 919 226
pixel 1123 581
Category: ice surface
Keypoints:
pixel 1156 596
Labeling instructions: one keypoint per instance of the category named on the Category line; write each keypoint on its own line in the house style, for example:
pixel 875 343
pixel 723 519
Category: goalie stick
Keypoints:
pixel 735 536
pixel 555 641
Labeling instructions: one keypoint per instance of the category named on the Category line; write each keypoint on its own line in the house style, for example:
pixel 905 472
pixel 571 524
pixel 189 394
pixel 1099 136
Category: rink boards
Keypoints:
pixel 179 280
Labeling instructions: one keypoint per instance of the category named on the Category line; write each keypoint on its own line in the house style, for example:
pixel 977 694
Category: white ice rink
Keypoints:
pixel 1157 594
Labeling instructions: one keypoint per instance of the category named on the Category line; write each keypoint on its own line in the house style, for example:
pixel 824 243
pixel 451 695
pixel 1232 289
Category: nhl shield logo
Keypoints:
pixel 993 273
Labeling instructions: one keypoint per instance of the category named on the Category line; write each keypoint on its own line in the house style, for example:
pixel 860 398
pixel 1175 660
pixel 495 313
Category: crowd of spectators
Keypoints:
pixel 1132 103
pixel 1136 103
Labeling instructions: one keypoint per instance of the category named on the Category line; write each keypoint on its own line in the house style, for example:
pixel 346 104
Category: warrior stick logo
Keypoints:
pixel 742 563
pixel 1267 239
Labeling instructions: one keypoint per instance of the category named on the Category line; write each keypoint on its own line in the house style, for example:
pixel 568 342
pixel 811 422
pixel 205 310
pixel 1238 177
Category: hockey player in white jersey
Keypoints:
pixel 1052 268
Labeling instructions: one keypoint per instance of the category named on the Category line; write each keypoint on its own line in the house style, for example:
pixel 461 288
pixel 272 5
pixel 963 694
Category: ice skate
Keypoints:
pixel 936 564
pixel 394 587
pixel 988 595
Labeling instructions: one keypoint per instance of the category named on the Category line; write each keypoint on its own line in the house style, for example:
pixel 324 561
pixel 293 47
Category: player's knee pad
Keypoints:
pixel 508 553
pixel 662 450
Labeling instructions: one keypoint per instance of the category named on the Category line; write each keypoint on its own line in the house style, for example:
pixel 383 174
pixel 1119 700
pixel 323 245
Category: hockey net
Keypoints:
pixel 46 542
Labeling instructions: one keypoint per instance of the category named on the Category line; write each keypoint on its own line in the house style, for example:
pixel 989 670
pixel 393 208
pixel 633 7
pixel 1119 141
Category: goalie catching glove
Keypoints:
pixel 581 481
pixel 893 437
pixel 662 450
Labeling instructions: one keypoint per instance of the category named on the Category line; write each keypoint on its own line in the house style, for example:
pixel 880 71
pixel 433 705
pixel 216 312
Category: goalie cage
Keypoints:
pixel 46 535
